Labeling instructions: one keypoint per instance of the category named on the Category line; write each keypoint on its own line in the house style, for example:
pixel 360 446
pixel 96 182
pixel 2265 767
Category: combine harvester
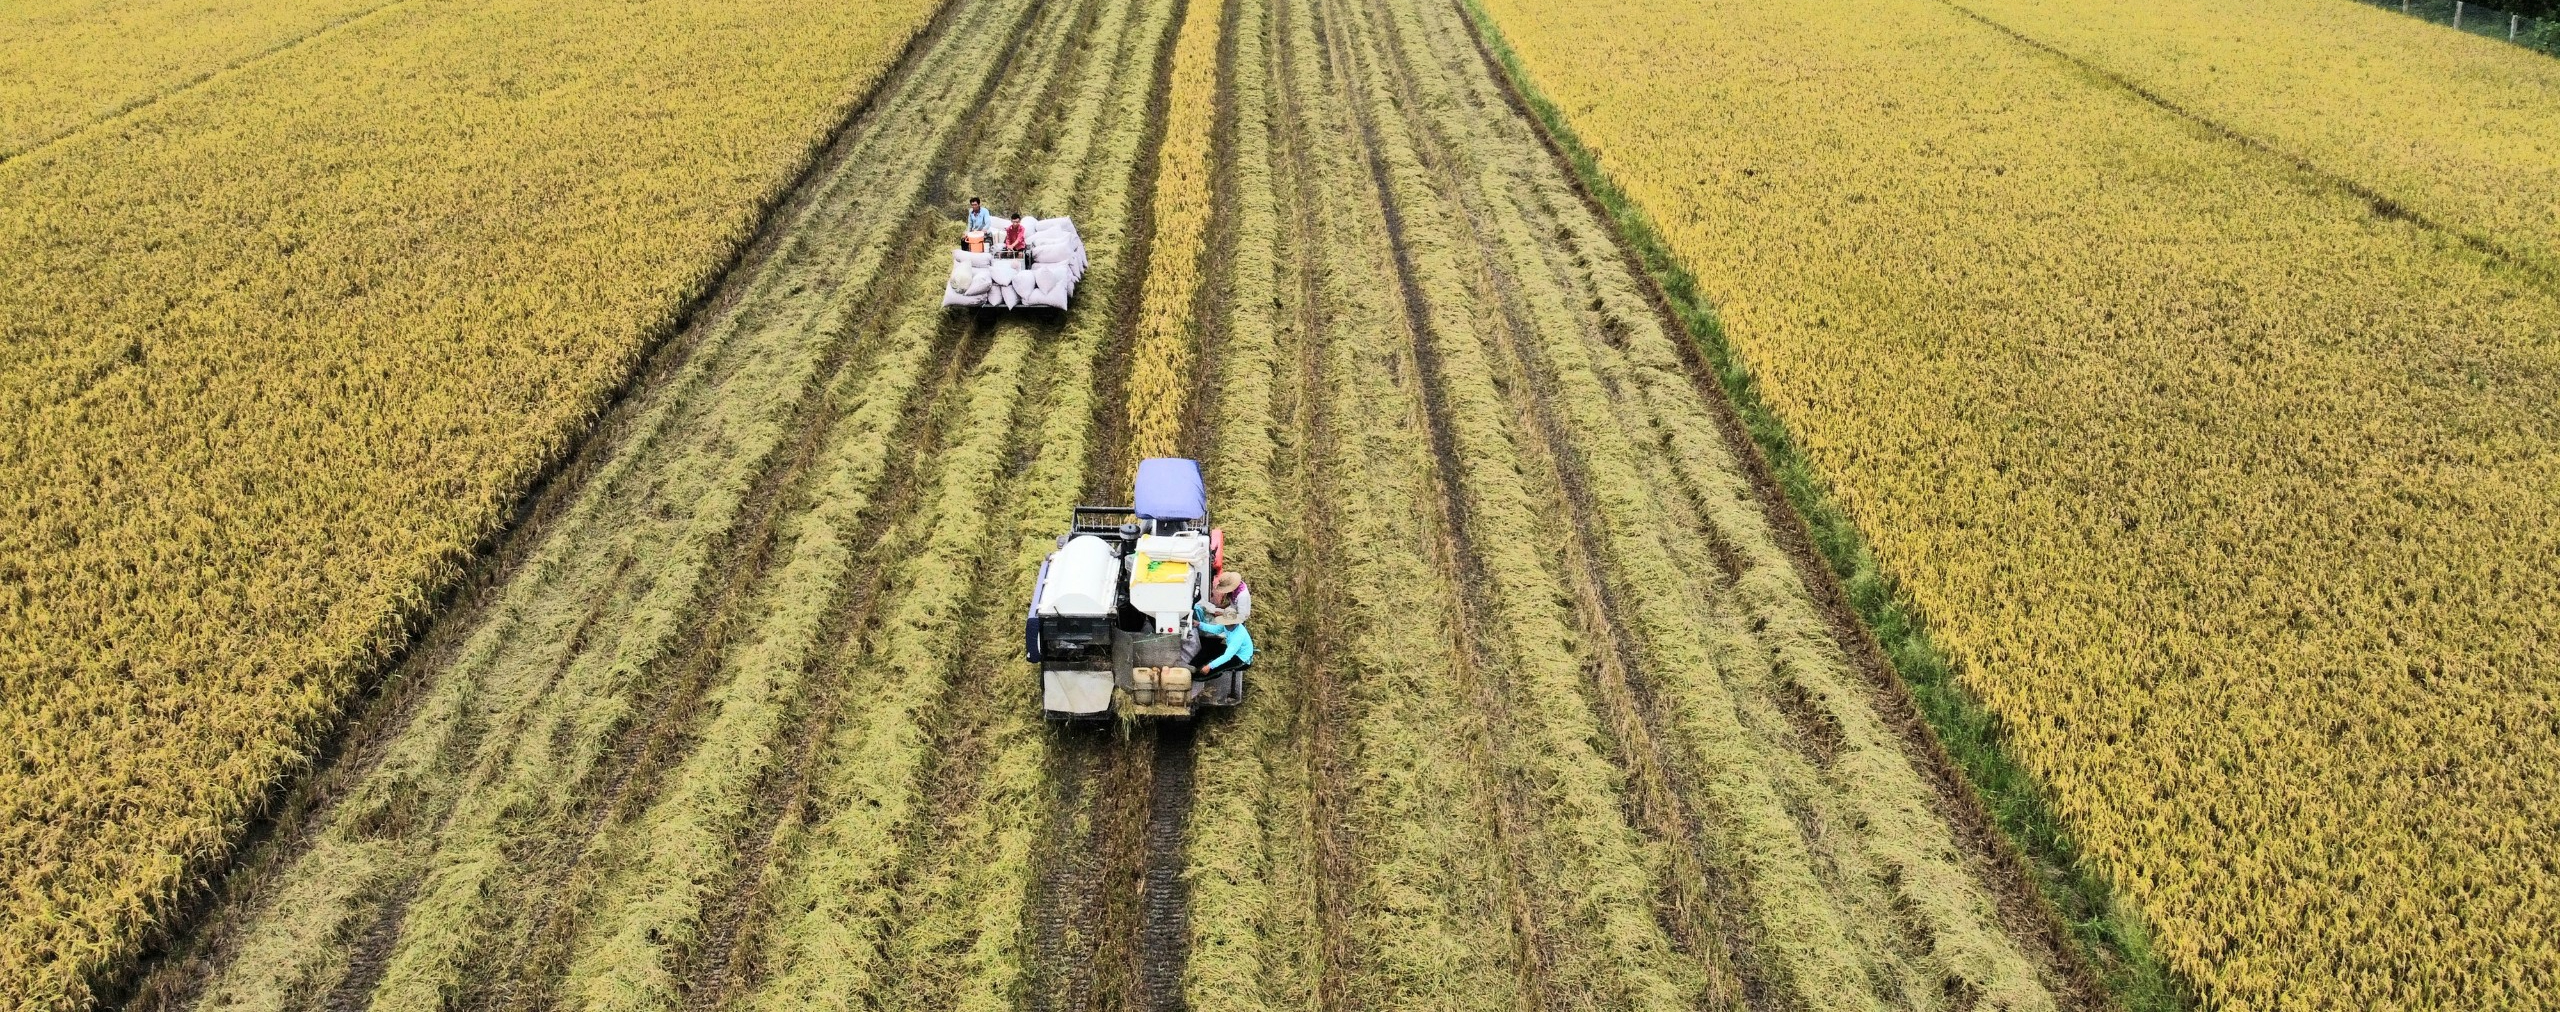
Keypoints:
pixel 1044 273
pixel 1121 609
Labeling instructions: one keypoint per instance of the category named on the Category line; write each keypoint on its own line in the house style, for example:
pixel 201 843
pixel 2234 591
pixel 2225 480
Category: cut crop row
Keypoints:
pixel 1253 940
pixel 635 955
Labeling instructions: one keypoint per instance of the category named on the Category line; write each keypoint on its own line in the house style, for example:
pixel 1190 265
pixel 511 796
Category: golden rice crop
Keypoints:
pixel 65 64
pixel 2453 126
pixel 2231 497
pixel 1160 380
pixel 281 347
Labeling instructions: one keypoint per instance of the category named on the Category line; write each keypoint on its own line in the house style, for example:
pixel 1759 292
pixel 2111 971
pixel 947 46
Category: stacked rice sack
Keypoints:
pixel 1057 263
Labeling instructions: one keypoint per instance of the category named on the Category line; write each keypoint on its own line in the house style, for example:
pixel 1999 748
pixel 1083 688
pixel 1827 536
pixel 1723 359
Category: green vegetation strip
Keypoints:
pixel 2108 933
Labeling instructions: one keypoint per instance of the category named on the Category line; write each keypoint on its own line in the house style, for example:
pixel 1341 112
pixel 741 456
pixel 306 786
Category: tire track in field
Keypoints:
pixel 1322 714
pixel 717 972
pixel 629 780
pixel 1701 909
pixel 727 915
pixel 934 904
pixel 1480 673
pixel 1089 909
pixel 936 928
pixel 1394 738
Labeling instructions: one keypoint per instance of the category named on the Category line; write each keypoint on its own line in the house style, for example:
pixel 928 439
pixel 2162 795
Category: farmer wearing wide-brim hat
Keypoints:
pixel 1222 636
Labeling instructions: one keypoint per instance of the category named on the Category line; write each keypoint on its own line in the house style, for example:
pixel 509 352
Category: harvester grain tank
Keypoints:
pixel 1115 616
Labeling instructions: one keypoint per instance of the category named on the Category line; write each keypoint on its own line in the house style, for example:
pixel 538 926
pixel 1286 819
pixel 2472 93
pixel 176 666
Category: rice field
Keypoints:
pixel 733 715
pixel 2210 445
pixel 636 550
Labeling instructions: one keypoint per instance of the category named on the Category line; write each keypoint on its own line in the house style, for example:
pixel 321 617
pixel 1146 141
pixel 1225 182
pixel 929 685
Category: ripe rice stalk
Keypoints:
pixel 2449 126
pixel 71 66
pixel 1160 384
pixel 2168 448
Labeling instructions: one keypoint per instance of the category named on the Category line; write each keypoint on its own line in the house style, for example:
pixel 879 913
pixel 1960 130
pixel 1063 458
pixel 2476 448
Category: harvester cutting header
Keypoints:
pixel 1135 612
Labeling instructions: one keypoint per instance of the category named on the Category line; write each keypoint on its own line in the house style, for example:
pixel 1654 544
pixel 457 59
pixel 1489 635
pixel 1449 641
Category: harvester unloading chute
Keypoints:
pixel 1113 621
pixel 1043 273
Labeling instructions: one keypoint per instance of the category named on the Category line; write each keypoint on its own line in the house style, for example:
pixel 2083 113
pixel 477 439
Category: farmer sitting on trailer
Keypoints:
pixel 1222 626
pixel 1017 240
pixel 979 228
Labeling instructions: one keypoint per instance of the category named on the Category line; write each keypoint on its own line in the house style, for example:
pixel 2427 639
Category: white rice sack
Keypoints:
pixel 978 284
pixel 1048 277
pixel 960 275
pixel 981 259
pixel 959 258
pixel 1003 272
pixel 1054 298
pixel 1059 224
pixel 1030 224
pixel 957 299
pixel 1010 298
pixel 1022 284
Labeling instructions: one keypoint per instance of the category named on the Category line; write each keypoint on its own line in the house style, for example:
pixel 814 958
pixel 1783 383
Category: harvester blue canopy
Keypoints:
pixel 1169 488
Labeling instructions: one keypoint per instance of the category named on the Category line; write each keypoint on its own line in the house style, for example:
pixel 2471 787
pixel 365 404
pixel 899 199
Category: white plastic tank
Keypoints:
pixel 1081 579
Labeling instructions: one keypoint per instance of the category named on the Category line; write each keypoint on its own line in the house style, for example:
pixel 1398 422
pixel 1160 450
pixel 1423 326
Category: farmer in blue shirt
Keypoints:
pixel 978 220
pixel 1222 625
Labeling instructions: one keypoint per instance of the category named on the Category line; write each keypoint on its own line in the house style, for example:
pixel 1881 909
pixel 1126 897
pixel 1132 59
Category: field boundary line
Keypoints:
pixel 2382 204
pixel 2102 940
pixel 133 106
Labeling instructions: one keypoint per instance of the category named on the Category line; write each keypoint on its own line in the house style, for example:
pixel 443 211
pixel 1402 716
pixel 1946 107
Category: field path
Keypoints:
pixel 1548 715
